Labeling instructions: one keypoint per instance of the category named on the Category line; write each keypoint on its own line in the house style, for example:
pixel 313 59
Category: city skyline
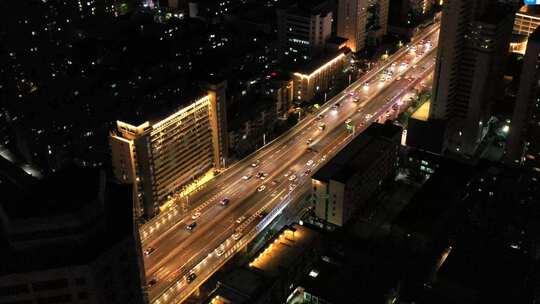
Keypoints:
pixel 192 151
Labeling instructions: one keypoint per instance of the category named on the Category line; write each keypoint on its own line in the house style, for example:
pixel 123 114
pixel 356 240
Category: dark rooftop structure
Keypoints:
pixel 46 216
pixel 359 154
pixel 426 135
pixel 317 62
pixel 309 7
pixel 434 204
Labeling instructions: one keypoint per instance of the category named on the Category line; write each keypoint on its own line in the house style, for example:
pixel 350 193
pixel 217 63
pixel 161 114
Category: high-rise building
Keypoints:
pixel 303 29
pixel 69 238
pixel 362 22
pixel 523 143
pixel 527 20
pixel 342 186
pixel 474 43
pixel 161 156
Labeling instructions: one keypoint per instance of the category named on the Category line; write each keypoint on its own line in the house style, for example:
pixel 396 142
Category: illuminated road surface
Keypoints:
pixel 179 251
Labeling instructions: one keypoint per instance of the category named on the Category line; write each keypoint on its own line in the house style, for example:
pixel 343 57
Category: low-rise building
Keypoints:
pixel 320 75
pixel 269 277
pixel 342 186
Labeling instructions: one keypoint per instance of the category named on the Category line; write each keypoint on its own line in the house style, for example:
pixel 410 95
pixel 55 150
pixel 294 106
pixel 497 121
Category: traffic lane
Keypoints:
pixel 200 233
pixel 382 99
pixel 181 235
pixel 405 54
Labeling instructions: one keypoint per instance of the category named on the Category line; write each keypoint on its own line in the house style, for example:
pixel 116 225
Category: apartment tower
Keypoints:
pixel 303 30
pixel 469 71
pixel 523 143
pixel 159 157
pixel 362 22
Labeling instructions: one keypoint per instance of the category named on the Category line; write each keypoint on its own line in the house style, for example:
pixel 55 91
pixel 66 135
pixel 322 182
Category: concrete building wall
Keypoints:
pixel 320 79
pixel 520 147
pixel 303 34
pixel 352 21
pixel 468 73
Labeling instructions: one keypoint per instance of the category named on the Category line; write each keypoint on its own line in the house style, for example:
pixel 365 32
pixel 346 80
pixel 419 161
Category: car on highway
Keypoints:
pixel 240 219
pixel 366 85
pixel 149 250
pixel 261 175
pixel 320 116
pixel 309 141
pixel 256 163
pixel 246 177
pixel 237 236
pixel 356 100
pixel 368 116
pixel 152 282
pixel 191 277
pixel 348 121
pixel 195 215
pixel 292 177
pixel 322 126
pixel 191 226
pixel 307 172
pixel 310 162
pixel 261 188
pixel 288 173
pixel 219 252
pixel 224 202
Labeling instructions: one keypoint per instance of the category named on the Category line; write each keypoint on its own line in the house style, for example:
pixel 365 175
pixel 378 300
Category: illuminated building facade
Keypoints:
pixel 318 77
pixel 523 143
pixel 161 157
pixel 362 22
pixel 304 29
pixel 527 20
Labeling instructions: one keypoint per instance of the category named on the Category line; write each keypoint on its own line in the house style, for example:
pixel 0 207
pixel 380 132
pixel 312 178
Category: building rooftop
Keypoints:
pixel 320 61
pixel 159 109
pixel 309 7
pixel 63 193
pixel 532 10
pixel 436 200
pixel 337 40
pixel 425 135
pixel 74 204
pixel 358 156
pixel 285 250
